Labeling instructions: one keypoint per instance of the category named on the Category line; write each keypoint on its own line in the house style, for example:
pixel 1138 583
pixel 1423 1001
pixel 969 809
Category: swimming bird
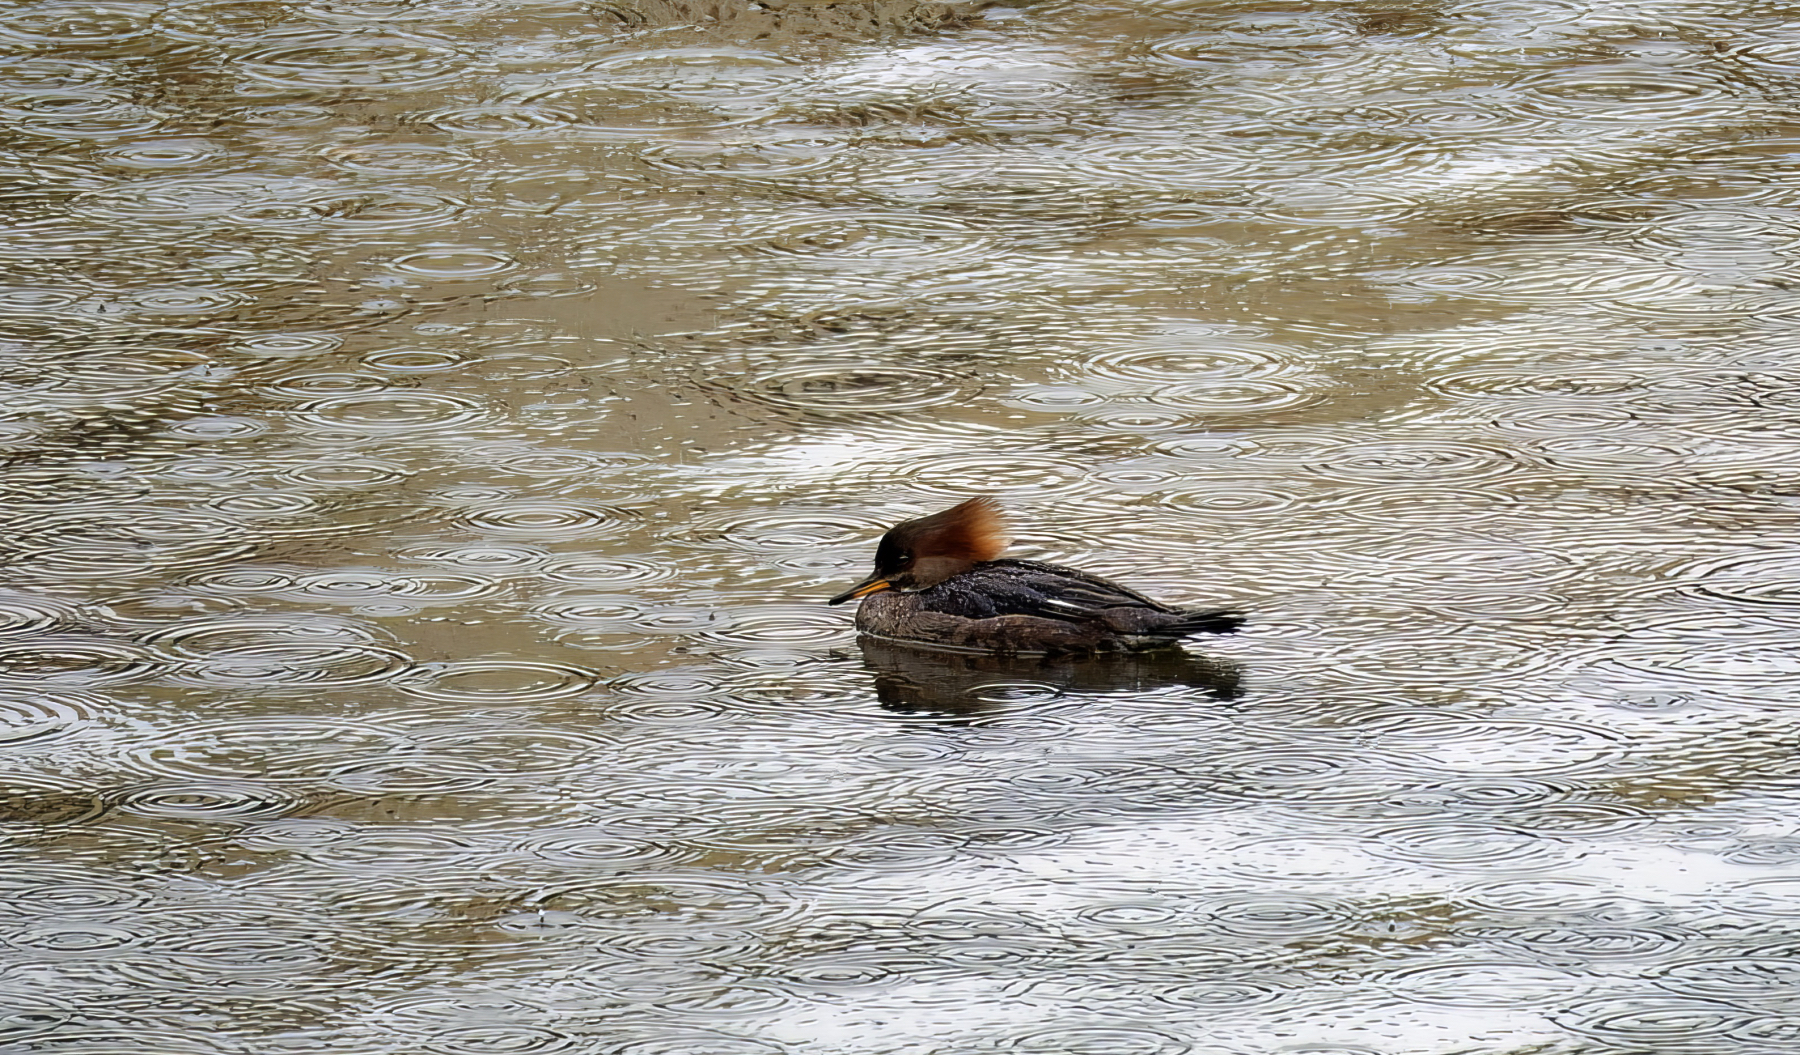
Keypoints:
pixel 939 581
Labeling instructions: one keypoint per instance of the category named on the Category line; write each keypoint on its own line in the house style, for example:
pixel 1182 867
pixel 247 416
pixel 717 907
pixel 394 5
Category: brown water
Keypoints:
pixel 431 429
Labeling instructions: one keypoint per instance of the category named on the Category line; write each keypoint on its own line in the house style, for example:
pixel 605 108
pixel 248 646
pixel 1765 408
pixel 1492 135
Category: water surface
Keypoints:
pixel 430 429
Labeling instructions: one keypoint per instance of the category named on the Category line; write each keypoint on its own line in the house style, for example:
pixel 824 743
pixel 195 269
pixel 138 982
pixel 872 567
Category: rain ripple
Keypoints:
pixel 40 889
pixel 1484 984
pixel 1613 95
pixel 26 613
pixel 955 475
pixel 385 413
pixel 78 25
pixel 499 557
pixel 1769 578
pixel 75 661
pixel 1187 353
pixel 1136 1038
pixel 483 681
pixel 210 20
pixel 241 955
pixel 322 58
pixel 547 463
pixel 1468 847
pixel 872 235
pixel 616 571
pixel 857 387
pixel 276 651
pixel 700 897
pixel 581 848
pixel 778 531
pixel 1736 977
pixel 266 202
pixel 1212 497
pixel 263 750
pixel 669 95
pixel 347 474
pixel 33 717
pixel 582 614
pixel 1659 1021
pixel 498 120
pixel 209 801
pixel 1552 275
pixel 547 519
pixel 1276 916
pixel 368 590
pixel 1441 658
pixel 1470 745
pixel 797 626
pixel 1580 944
pixel 1413 462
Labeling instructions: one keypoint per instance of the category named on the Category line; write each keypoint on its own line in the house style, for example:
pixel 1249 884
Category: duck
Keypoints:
pixel 940 582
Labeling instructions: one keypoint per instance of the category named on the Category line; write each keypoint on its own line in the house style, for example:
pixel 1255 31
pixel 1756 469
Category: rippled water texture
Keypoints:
pixel 430 429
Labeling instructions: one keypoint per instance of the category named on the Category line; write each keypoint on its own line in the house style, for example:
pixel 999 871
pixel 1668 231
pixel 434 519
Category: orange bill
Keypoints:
pixel 873 584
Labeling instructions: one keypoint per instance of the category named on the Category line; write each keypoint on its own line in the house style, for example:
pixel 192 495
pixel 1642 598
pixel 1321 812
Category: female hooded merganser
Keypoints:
pixel 939 581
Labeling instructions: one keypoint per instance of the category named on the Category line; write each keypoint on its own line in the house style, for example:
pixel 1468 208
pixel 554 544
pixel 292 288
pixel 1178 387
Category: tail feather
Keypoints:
pixel 1204 621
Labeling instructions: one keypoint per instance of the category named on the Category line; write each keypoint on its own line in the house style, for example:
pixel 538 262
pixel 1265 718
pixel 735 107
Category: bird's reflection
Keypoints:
pixel 960 685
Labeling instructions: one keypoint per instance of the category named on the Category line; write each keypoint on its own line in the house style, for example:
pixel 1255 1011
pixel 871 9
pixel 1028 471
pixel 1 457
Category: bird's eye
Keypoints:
pixel 905 558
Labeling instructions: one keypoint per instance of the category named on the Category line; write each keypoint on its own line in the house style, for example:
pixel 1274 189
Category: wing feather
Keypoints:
pixel 1022 587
